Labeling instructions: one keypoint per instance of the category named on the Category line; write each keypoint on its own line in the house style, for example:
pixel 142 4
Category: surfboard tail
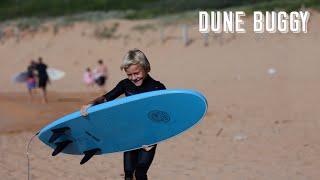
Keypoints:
pixel 60 147
pixel 56 133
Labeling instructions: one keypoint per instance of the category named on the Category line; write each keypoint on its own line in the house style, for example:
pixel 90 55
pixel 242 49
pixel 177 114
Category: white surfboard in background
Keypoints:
pixel 55 74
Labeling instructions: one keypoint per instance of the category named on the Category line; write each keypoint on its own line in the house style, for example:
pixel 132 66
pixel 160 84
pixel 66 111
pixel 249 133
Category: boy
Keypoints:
pixel 137 67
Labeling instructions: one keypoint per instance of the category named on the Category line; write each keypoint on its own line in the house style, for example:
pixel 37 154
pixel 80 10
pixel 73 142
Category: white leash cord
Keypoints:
pixel 29 178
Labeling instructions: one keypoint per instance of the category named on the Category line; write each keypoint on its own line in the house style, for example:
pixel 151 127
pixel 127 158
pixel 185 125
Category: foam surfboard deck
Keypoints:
pixel 126 123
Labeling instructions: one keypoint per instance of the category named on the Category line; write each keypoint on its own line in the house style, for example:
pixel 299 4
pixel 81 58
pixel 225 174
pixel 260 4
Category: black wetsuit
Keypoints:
pixel 42 75
pixel 137 161
pixel 30 70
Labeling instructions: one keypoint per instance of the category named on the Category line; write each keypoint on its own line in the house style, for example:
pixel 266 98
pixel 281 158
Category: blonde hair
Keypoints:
pixel 135 56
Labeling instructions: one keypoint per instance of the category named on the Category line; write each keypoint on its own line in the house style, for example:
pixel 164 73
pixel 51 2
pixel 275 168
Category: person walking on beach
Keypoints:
pixel 31 78
pixel 43 78
pixel 137 68
pixel 101 74
pixel 88 77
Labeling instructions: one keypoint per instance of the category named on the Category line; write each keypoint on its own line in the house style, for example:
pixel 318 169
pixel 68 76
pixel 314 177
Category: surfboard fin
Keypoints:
pixel 88 155
pixel 60 147
pixel 56 133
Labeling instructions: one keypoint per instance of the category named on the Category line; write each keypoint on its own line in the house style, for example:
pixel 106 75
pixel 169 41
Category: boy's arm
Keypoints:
pixel 111 95
pixel 161 86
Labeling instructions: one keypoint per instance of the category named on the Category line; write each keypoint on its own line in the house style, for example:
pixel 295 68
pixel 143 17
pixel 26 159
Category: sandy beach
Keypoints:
pixel 258 126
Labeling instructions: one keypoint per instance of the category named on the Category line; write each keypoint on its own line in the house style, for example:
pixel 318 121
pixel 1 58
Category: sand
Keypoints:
pixel 258 126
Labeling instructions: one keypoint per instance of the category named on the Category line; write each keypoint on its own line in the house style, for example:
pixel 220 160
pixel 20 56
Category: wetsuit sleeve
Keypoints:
pixel 161 86
pixel 111 95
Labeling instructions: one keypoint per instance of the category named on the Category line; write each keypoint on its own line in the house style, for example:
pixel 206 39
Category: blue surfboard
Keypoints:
pixel 126 123
pixel 20 77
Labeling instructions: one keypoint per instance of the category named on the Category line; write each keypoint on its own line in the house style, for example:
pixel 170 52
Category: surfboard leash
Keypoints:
pixel 31 139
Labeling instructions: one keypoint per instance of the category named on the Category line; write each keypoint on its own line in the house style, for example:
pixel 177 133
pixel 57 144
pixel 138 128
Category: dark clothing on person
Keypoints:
pixel 42 70
pixel 31 79
pixel 42 83
pixel 30 70
pixel 42 75
pixel 137 161
pixel 129 88
pixel 101 81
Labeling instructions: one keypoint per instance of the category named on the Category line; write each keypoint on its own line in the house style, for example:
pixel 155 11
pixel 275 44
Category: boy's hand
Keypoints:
pixel 147 148
pixel 84 108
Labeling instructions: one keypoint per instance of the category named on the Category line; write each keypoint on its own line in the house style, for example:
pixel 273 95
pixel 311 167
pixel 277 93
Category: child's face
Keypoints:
pixel 136 74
